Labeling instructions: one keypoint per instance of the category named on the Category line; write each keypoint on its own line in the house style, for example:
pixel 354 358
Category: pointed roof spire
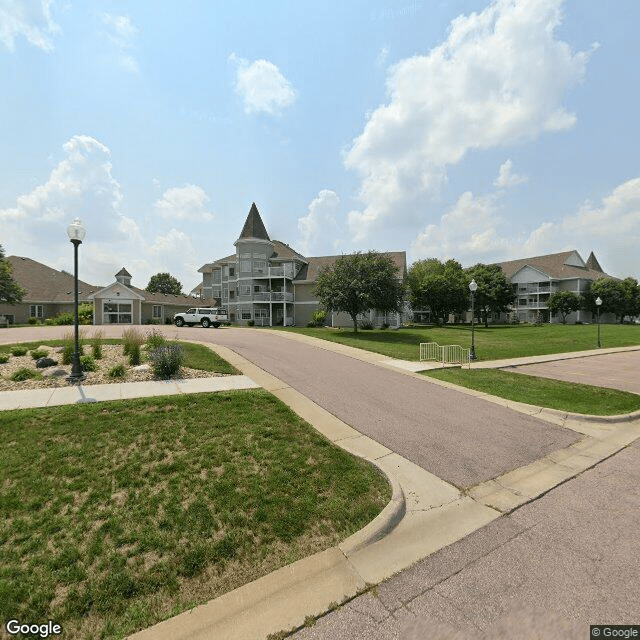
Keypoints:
pixel 253 226
pixel 593 264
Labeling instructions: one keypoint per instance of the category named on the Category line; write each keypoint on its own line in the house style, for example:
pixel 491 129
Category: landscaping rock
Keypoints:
pixel 141 367
pixel 55 373
pixel 43 363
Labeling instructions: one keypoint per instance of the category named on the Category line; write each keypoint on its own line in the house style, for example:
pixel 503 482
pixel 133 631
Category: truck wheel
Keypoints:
pixel 205 322
pixel 179 322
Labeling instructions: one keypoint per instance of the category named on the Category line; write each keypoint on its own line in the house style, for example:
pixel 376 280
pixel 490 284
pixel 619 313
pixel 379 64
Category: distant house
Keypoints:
pixel 122 303
pixel 269 283
pixel 50 292
pixel 535 279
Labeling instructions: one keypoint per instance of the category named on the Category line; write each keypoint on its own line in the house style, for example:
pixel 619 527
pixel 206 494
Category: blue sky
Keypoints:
pixel 470 129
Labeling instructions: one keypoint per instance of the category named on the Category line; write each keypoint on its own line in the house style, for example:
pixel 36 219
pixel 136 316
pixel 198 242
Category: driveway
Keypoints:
pixel 548 570
pixel 459 438
pixel 614 370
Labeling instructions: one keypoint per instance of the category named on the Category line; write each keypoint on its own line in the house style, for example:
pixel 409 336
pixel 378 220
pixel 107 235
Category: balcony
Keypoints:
pixel 266 296
pixel 281 272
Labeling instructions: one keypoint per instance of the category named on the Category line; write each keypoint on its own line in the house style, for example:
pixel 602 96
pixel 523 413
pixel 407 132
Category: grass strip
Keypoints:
pixel 198 356
pixel 542 392
pixel 117 515
pixel 492 343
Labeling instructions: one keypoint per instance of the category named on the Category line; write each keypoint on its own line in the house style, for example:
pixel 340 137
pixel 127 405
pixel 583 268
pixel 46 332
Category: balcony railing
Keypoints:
pixel 279 272
pixel 266 296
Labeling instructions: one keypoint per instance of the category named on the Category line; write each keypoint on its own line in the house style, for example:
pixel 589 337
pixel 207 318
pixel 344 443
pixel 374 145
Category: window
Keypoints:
pixel 157 311
pixel 246 314
pixel 259 266
pixel 245 266
pixel 36 311
pixel 232 272
pixel 216 276
pixel 257 288
pixel 216 293
pixel 245 289
pixel 261 313
pixel 245 256
pixel 117 313
pixel 260 256
pixel 232 294
pixel 522 302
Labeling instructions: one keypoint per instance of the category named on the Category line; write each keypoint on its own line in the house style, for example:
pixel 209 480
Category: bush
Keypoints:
pixel 49 322
pixel 318 317
pixel 4 357
pixel 88 363
pixel 155 340
pixel 130 338
pixel 250 323
pixel 33 321
pixel 85 313
pixel 310 324
pixel 117 372
pixel 24 374
pixel 366 325
pixel 19 351
pixel 166 360
pixel 36 354
pixel 64 318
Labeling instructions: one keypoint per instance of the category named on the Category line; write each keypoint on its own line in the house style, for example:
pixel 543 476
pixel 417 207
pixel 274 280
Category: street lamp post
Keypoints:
pixel 76 233
pixel 598 303
pixel 472 287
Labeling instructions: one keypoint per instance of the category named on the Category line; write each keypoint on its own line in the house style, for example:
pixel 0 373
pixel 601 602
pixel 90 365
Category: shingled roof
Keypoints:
pixel 312 269
pixel 556 267
pixel 253 226
pixel 45 284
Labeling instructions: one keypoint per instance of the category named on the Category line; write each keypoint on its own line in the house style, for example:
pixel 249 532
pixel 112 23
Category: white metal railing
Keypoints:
pixel 279 272
pixel 265 296
pixel 280 296
pixel 447 354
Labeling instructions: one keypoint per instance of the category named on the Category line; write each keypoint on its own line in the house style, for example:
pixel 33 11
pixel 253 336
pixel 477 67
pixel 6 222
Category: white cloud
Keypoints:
pixel 500 78
pixel 262 86
pixel 472 232
pixel 82 185
pixel 506 178
pixel 319 227
pixel 182 203
pixel 381 60
pixel 28 18
pixel 121 32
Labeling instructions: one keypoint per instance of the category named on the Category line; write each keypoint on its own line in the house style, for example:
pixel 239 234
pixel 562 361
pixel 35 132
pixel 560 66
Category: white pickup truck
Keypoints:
pixel 205 317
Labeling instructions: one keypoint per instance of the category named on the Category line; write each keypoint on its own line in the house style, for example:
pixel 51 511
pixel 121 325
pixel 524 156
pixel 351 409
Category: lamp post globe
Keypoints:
pixel 76 233
pixel 473 286
pixel 598 303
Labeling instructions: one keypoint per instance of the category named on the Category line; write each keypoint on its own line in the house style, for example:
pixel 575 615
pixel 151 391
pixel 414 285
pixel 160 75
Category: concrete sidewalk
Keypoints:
pixel 55 396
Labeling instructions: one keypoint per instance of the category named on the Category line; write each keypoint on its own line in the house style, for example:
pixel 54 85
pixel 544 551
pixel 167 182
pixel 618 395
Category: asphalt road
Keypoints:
pixel 459 438
pixel 548 570
pixel 615 370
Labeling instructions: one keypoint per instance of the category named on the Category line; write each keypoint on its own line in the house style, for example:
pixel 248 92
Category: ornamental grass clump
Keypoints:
pixel 4 357
pixel 117 372
pixel 70 346
pixel 88 363
pixel 19 351
pixel 24 374
pixel 36 354
pixel 132 342
pixel 166 360
pixel 96 345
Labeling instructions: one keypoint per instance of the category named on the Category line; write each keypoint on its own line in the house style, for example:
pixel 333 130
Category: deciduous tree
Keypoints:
pixel 359 282
pixel 495 293
pixel 10 290
pixel 563 302
pixel 164 283
pixel 440 287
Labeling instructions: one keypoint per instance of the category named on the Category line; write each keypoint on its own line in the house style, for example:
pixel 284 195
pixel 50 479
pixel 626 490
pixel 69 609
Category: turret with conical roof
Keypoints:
pixel 254 227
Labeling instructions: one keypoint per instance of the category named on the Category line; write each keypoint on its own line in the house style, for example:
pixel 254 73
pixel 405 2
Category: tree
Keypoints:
pixel 10 291
pixel 563 302
pixel 359 282
pixel 620 297
pixel 164 283
pixel 495 293
pixel 442 288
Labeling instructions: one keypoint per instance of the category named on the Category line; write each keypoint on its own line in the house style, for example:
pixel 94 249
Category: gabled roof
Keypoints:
pixel 124 272
pixel 556 266
pixel 45 284
pixel 253 226
pixel 281 250
pixel 311 270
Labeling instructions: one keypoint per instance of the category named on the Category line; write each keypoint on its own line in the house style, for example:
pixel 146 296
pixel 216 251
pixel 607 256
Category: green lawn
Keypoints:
pixel 491 344
pixel 542 392
pixel 117 515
